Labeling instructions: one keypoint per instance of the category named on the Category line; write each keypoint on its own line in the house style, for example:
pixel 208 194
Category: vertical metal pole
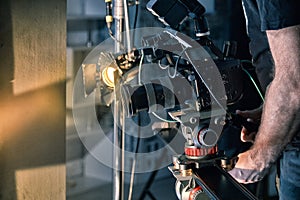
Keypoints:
pixel 118 15
pixel 118 187
pixel 119 139
pixel 122 154
pixel 127 28
pixel 116 153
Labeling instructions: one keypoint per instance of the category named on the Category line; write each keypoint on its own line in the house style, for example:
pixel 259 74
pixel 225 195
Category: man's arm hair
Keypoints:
pixel 281 116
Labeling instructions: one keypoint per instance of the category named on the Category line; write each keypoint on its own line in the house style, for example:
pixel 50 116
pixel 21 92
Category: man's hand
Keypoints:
pixel 252 116
pixel 245 171
pixel 280 119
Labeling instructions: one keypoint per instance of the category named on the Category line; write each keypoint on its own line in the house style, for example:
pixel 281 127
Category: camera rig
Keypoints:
pixel 199 92
pixel 200 98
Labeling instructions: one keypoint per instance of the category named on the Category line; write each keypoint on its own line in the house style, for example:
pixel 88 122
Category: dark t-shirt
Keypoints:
pixel 278 14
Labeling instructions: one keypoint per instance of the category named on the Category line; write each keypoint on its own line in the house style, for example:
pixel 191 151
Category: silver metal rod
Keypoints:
pixel 118 16
pixel 128 42
pixel 116 154
pixel 118 35
pixel 131 180
pixel 118 185
pixel 123 153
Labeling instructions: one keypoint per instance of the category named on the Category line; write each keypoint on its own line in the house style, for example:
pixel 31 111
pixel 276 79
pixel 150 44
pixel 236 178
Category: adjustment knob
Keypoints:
pixel 207 137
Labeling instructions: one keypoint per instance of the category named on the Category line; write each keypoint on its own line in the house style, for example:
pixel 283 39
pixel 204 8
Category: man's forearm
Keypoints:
pixel 280 120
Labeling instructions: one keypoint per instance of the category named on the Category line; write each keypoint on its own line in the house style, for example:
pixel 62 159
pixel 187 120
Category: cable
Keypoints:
pixel 246 61
pixel 176 64
pixel 131 180
pixel 135 158
pixel 253 81
pixel 113 37
pixel 255 85
pixel 123 132
pixel 162 67
pixel 140 68
pixel 127 28
pixel 109 20
pixel 135 19
pixel 162 119
pixel 136 13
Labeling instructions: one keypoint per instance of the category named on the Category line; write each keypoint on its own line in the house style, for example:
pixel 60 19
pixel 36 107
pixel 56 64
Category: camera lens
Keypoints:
pixel 149 97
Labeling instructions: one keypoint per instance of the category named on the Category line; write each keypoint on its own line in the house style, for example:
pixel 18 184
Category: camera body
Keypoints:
pixel 185 89
pixel 198 91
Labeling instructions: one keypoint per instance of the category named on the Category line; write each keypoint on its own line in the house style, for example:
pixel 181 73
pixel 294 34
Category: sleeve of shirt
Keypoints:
pixel 278 14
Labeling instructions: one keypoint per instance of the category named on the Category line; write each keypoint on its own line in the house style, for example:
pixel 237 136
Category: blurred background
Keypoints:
pixel 42 47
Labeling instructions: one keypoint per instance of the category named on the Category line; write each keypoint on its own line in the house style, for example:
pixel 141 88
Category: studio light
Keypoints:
pixel 108 76
pixel 109 69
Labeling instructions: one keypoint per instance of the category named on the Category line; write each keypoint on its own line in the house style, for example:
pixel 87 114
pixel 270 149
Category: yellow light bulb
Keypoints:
pixel 108 76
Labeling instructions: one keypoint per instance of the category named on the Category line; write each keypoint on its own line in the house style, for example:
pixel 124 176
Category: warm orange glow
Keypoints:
pixel 30 112
pixel 108 76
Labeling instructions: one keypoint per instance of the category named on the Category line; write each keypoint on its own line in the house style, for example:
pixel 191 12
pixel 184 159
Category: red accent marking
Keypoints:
pixel 193 192
pixel 200 152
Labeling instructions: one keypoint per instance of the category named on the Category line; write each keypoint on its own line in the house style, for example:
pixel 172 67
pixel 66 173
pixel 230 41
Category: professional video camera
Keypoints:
pixel 201 133
pixel 198 91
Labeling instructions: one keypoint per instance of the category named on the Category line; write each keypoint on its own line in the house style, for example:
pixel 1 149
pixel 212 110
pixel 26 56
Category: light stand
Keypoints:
pixel 120 7
pixel 118 185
